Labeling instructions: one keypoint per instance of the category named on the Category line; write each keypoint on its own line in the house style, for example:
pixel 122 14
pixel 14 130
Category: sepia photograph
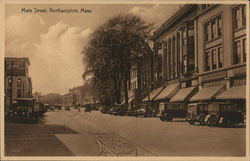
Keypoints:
pixel 115 79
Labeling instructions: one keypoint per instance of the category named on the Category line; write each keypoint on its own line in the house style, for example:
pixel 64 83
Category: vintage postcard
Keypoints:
pixel 125 80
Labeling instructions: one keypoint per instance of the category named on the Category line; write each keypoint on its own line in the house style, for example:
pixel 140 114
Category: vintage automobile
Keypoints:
pixel 25 108
pixel 140 110
pixel 122 109
pixel 46 107
pixel 67 108
pixel 224 113
pixel 105 109
pixel 58 107
pixel 170 110
pixel 197 112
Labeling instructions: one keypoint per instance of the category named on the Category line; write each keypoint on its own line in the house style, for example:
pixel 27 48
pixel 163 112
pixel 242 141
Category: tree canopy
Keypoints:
pixel 112 48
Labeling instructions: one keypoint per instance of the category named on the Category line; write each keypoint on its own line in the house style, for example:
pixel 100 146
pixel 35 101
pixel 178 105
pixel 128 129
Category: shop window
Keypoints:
pixel 188 83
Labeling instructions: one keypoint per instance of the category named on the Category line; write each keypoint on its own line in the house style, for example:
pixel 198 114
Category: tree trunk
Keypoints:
pixel 126 90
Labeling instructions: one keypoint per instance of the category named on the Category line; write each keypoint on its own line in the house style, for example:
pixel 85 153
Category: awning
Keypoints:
pixel 207 93
pixel 235 92
pixel 183 94
pixel 154 94
pixel 168 92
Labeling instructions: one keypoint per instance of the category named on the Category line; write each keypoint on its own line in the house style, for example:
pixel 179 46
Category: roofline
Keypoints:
pixel 171 20
pixel 25 58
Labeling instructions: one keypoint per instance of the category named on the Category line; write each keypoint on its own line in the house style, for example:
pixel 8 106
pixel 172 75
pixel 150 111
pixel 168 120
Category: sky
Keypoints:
pixel 53 41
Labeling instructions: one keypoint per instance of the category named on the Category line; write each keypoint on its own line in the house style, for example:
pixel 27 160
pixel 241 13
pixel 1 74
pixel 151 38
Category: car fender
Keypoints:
pixel 221 120
pixel 207 117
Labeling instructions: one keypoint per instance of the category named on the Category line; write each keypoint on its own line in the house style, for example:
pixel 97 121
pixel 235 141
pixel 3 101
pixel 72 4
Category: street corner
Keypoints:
pixel 80 144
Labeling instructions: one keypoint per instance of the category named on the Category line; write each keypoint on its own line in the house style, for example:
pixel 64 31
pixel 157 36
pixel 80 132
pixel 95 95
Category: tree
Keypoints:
pixel 114 46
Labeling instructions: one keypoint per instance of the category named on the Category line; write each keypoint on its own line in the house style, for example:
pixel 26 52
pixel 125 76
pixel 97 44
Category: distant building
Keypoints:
pixel 141 76
pixel 37 96
pixel 17 81
pixel 76 95
pixel 67 99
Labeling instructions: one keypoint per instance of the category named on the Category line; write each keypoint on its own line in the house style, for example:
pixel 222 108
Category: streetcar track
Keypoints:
pixel 111 136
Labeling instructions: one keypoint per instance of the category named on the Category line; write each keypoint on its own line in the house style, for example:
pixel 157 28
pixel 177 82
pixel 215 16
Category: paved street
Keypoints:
pixel 95 134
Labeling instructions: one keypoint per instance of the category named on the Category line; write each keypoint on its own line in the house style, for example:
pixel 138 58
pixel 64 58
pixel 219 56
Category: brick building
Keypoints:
pixel 17 81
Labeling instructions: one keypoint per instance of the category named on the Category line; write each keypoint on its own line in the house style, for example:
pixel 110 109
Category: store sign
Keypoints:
pixel 238 71
pixel 212 76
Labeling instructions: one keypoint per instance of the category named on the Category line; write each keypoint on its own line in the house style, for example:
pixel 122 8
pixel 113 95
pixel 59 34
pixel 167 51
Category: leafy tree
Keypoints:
pixel 114 46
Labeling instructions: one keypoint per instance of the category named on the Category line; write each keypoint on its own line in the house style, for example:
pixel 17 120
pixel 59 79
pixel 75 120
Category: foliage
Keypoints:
pixel 113 47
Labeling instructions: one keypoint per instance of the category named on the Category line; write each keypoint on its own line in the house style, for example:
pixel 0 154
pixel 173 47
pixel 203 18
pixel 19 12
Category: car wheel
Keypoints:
pixel 202 120
pixel 212 121
pixel 191 122
pixel 169 118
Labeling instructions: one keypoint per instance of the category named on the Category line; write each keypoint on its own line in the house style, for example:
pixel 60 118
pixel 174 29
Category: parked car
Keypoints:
pixel 67 108
pixel 141 111
pixel 25 108
pixel 122 109
pixel 58 107
pixel 105 109
pixel 225 114
pixel 196 112
pixel 170 110
pixel 131 112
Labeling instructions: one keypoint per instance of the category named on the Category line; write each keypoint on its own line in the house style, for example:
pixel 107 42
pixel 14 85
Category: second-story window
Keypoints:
pixel 207 61
pixel 214 58
pixel 221 57
pixel 239 53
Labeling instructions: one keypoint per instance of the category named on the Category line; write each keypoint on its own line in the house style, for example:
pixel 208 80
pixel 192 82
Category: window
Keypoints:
pixel 237 53
pixel 239 17
pixel 214 58
pixel 213 29
pixel 18 82
pixel 220 56
pixel 219 26
pixel 19 93
pixel 244 50
pixel 244 15
pixel 207 61
pixel 9 80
